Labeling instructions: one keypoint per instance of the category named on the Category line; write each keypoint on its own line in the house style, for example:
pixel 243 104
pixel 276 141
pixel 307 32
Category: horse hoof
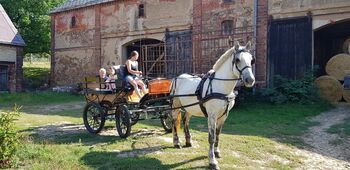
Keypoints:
pixel 188 145
pixel 213 167
pixel 217 154
pixel 178 146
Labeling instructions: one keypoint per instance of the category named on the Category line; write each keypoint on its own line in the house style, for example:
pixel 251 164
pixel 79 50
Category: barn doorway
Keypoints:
pixel 290 47
pixel 3 78
pixel 136 45
pixel 328 41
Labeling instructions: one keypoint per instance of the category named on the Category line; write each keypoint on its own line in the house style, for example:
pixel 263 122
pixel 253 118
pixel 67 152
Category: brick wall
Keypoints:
pixel 261 43
pixel 11 77
pixel 19 70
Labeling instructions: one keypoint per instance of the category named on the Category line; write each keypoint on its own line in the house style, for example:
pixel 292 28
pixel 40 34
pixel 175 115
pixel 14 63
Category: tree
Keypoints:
pixel 31 18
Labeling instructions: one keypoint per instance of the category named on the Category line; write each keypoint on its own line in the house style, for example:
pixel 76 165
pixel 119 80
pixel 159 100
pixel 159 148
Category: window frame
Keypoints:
pixel 227 27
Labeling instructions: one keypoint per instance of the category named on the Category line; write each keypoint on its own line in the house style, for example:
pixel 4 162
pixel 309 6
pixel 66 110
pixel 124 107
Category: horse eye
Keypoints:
pixel 253 61
pixel 237 60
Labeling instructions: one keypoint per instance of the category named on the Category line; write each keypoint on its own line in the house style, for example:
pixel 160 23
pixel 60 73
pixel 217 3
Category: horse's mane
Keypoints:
pixel 223 58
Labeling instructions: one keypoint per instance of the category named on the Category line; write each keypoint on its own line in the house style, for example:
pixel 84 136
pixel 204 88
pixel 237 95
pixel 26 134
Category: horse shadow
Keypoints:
pixel 121 160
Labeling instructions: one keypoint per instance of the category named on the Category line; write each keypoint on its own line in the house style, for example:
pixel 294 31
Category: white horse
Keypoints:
pixel 218 94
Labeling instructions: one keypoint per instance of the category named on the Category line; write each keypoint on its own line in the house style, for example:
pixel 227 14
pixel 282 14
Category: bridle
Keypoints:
pixel 235 61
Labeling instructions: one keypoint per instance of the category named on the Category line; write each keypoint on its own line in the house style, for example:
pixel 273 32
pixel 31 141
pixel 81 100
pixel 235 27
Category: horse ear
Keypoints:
pixel 248 46
pixel 237 45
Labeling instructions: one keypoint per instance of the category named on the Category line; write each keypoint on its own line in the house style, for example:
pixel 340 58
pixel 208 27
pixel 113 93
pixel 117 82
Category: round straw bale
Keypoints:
pixel 338 66
pixel 330 88
pixel 346 46
pixel 346 95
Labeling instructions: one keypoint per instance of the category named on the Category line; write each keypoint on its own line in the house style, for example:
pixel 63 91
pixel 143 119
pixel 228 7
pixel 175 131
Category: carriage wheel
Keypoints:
pixel 134 118
pixel 106 106
pixel 123 122
pixel 93 116
pixel 167 121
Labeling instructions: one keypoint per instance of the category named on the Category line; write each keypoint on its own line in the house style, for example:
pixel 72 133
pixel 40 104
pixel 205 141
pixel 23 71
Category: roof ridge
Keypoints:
pixel 8 20
pixel 75 4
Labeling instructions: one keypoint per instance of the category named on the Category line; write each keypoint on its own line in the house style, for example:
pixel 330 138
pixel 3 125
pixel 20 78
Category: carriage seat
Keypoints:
pixel 121 83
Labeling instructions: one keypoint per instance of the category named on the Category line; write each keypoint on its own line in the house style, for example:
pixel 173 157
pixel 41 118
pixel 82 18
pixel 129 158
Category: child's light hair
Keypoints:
pixel 102 72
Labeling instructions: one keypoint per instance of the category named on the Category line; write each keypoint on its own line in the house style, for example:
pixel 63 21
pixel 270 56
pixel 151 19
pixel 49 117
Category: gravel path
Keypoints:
pixel 324 152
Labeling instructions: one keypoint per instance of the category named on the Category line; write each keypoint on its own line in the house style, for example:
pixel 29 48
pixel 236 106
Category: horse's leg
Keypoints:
pixel 176 114
pixel 213 163
pixel 220 123
pixel 186 122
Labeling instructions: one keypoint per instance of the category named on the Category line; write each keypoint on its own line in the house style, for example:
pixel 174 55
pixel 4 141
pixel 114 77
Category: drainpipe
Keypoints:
pixel 255 18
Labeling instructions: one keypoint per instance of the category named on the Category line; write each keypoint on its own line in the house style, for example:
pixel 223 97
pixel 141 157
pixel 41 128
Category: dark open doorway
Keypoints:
pixel 3 78
pixel 136 45
pixel 328 41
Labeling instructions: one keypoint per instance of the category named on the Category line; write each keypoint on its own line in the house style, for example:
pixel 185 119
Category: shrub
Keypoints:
pixel 288 90
pixel 9 139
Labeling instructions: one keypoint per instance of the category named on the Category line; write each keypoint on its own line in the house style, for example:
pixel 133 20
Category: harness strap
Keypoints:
pixel 208 96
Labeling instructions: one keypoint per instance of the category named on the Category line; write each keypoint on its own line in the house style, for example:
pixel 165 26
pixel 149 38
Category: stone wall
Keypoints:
pixel 214 12
pixel 323 12
pixel 101 32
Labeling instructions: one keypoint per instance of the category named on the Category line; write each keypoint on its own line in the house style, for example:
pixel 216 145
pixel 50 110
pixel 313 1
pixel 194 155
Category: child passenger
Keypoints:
pixel 108 79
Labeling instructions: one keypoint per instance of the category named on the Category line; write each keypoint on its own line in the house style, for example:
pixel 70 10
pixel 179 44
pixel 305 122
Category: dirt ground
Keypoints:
pixel 323 150
pixel 327 151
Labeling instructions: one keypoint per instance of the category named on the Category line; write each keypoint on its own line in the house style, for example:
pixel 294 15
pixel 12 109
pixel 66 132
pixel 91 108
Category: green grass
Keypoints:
pixel 37 98
pixel 254 135
pixel 343 128
pixel 36 74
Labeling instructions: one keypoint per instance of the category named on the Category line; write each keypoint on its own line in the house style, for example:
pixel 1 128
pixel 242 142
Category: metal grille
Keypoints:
pixel 196 53
pixel 3 78
pixel 209 46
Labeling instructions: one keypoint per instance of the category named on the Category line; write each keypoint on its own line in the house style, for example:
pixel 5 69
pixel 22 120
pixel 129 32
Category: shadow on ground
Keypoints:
pixel 113 160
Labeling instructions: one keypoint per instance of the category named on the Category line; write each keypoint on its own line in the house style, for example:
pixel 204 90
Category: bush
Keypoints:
pixel 9 139
pixel 288 90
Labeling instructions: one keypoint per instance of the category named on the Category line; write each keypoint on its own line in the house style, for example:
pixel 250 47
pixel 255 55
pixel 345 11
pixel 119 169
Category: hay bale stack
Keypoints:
pixel 346 95
pixel 346 46
pixel 338 66
pixel 330 88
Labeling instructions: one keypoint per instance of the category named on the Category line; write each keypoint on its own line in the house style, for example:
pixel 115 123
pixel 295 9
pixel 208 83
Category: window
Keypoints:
pixel 227 1
pixel 3 78
pixel 73 22
pixel 227 27
pixel 141 10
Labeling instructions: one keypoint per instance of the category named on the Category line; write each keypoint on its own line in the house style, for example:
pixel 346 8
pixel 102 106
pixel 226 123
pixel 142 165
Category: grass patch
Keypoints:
pixel 40 98
pixel 36 74
pixel 254 135
pixel 342 129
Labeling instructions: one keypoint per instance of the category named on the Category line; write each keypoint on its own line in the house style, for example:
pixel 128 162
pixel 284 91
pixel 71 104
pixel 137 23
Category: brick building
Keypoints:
pixel 90 34
pixel 11 55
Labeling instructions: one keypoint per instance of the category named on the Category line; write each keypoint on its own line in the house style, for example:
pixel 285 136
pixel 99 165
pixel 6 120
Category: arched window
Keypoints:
pixel 227 27
pixel 73 22
pixel 141 10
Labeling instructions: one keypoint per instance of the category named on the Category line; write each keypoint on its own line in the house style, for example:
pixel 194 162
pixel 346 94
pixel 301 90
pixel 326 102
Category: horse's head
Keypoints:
pixel 242 61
